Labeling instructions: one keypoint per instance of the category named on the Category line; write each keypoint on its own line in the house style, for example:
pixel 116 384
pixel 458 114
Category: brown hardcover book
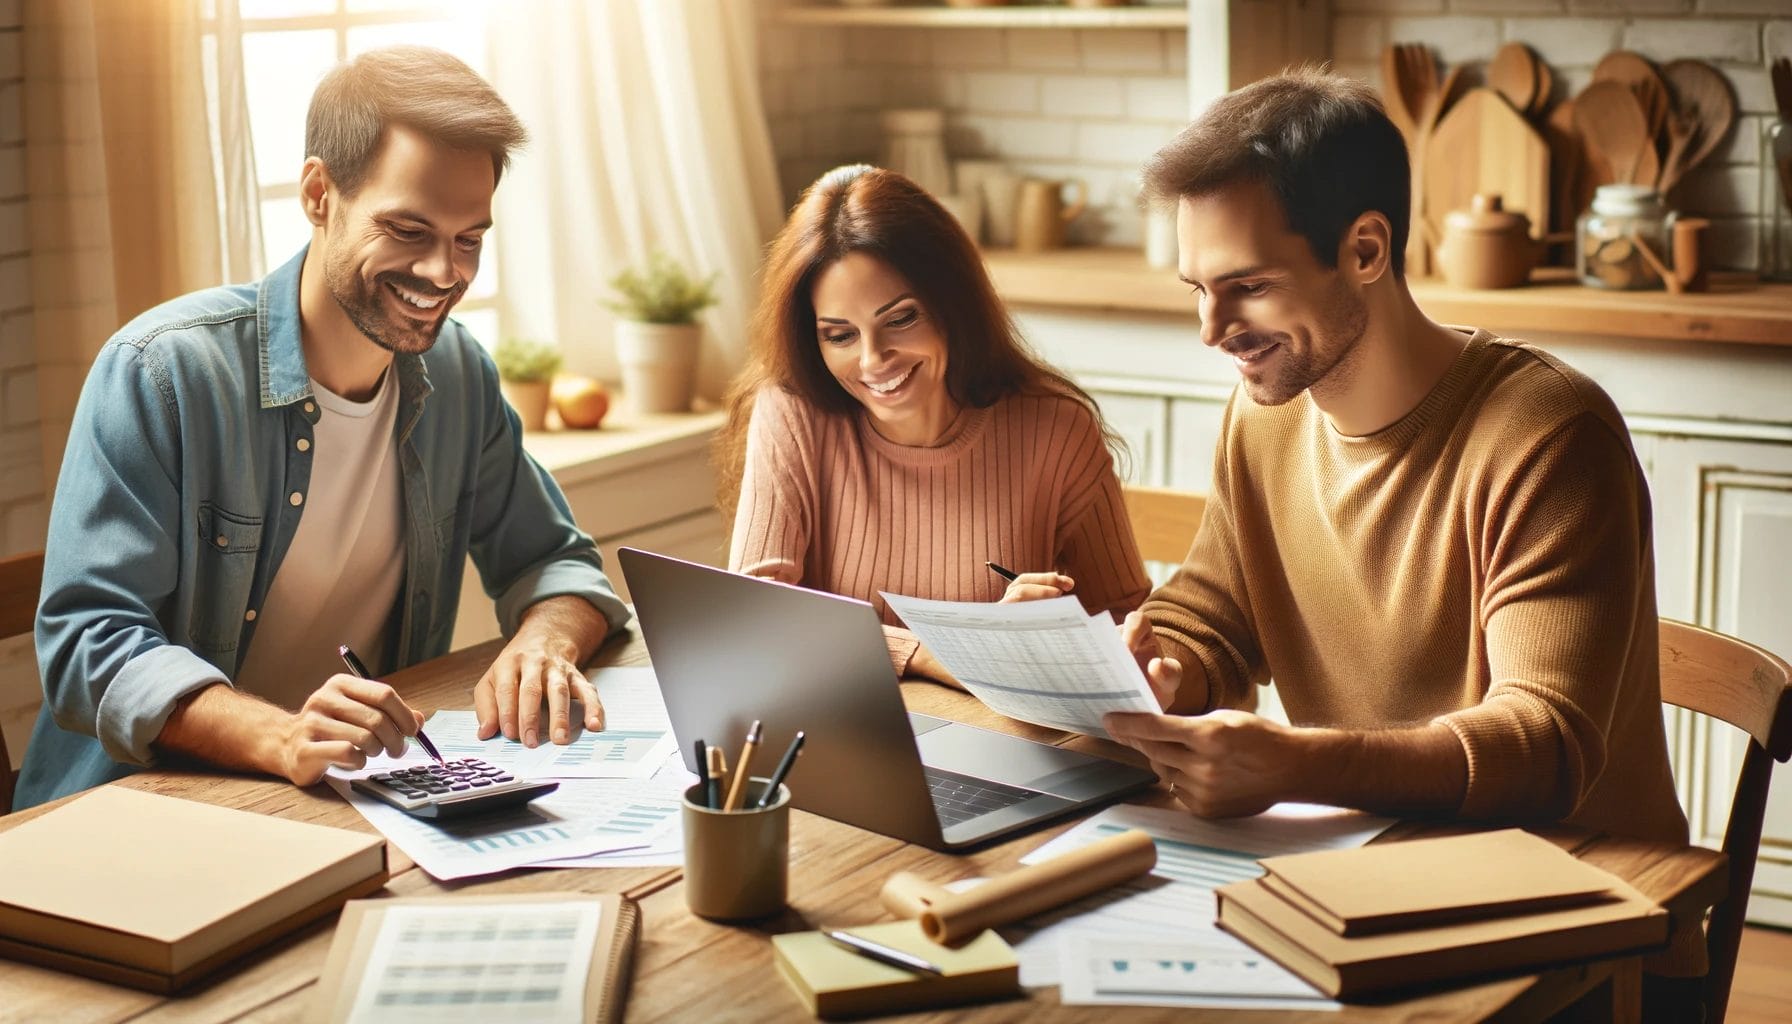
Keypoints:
pixel 155 892
pixel 606 981
pixel 1395 886
pixel 837 983
pixel 1345 966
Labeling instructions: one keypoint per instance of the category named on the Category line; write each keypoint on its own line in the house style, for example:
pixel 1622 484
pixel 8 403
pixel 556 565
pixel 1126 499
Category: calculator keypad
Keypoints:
pixel 452 787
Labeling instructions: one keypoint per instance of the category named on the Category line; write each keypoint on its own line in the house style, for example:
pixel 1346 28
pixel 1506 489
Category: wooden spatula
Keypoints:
pixel 1394 97
pixel 1635 71
pixel 1612 122
pixel 1704 112
pixel 1513 74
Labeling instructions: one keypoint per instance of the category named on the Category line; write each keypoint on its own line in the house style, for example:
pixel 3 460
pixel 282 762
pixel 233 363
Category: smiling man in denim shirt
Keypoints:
pixel 259 473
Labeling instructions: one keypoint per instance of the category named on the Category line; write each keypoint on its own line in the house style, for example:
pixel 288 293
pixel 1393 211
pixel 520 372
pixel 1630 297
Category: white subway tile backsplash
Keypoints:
pixel 821 47
pixel 1454 40
pixel 1043 49
pixel 15 284
pixel 1766 7
pixel 1727 191
pixel 1176 55
pixel 1157 99
pixel 20 393
pixel 1507 7
pixel 1754 92
pixel 1026 138
pixel 1358 38
pixel 1082 96
pixel 1001 92
pixel 17 347
pixel 1140 51
pixel 22 460
pixel 1120 142
pixel 969 48
pixel 10 66
pixel 1363 71
pixel 1777 39
pixel 12 113
pixel 1733 243
pixel 15 228
pixel 1629 6
pixel 777 48
pixel 1388 6
pixel 1566 42
pixel 1743 145
pixel 1663 39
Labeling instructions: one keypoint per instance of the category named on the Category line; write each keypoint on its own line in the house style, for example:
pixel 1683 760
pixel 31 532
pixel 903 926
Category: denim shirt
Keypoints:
pixel 182 485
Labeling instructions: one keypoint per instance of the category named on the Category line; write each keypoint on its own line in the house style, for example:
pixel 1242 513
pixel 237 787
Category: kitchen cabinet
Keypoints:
pixel 644 483
pixel 1723 550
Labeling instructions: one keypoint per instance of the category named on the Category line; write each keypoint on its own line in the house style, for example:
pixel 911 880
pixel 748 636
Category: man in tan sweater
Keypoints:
pixel 1435 541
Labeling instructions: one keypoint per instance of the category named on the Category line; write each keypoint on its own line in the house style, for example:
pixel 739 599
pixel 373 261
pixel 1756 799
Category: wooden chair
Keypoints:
pixel 1164 521
pixel 1751 689
pixel 21 577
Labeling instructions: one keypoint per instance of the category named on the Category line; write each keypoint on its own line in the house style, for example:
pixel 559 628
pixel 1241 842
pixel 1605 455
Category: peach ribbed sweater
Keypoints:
pixel 1486 562
pixel 827 503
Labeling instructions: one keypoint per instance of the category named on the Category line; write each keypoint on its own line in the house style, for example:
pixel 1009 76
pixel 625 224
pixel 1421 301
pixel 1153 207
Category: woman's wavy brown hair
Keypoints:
pixel 860 208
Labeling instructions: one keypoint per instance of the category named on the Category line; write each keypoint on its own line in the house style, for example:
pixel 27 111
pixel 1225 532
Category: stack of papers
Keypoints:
pixel 1154 941
pixel 618 804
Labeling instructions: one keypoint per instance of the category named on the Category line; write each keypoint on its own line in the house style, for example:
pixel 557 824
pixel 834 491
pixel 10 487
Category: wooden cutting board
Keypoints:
pixel 1483 145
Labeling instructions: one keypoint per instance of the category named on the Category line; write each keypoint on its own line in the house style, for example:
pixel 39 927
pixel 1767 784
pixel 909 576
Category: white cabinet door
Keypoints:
pixel 1194 431
pixel 1724 554
pixel 1143 420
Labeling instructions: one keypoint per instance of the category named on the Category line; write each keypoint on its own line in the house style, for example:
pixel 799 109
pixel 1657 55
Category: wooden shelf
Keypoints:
pixel 1006 16
pixel 1738 309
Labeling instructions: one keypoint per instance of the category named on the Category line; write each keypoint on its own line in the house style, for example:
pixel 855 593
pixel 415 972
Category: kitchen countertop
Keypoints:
pixel 1738 309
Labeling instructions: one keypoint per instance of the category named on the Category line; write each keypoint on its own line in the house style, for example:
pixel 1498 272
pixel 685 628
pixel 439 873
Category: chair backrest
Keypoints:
pixel 1751 689
pixel 1164 521
pixel 21 578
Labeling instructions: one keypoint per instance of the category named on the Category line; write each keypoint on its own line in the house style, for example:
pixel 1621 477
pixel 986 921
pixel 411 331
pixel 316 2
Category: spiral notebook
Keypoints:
pixel 536 957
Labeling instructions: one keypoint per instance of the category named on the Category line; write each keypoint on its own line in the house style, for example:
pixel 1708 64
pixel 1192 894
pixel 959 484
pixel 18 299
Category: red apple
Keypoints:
pixel 581 402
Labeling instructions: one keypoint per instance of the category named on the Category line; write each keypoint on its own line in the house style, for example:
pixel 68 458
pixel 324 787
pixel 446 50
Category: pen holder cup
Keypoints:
pixel 735 862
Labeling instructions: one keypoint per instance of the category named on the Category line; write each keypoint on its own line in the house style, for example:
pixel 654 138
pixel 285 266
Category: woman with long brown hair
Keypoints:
pixel 893 432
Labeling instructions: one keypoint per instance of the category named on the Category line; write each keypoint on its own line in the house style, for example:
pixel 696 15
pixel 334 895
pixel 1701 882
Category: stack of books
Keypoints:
pixel 1399 915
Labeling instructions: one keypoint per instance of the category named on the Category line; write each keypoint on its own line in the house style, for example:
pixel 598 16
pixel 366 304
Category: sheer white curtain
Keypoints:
pixel 139 173
pixel 647 132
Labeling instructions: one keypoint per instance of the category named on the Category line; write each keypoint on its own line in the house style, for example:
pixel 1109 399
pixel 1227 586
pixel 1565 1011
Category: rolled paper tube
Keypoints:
pixel 909 895
pixel 1039 887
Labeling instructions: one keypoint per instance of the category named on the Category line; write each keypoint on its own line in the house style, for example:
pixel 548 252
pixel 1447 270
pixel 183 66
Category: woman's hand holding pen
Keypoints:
pixel 346 721
pixel 1037 586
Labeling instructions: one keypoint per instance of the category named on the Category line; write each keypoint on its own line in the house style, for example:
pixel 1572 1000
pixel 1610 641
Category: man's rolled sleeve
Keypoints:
pixel 141 697
pixel 572 576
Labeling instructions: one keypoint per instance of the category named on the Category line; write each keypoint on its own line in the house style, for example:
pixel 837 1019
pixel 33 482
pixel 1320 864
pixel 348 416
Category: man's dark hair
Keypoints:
pixel 1320 141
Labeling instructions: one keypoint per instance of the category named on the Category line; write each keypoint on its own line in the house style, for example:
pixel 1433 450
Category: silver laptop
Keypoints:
pixel 729 649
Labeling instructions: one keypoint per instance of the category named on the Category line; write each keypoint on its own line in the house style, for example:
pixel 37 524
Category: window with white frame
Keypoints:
pixel 287 47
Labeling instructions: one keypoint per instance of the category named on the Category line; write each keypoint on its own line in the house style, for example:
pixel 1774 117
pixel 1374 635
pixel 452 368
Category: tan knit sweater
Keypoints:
pixel 827 503
pixel 1485 562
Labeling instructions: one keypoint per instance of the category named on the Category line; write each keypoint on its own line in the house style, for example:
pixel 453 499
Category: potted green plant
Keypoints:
pixel 658 337
pixel 526 375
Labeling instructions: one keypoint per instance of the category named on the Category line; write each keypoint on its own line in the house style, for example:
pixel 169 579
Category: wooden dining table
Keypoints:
pixel 690 969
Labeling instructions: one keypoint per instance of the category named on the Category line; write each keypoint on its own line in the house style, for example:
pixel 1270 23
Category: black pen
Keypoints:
pixel 355 666
pixel 703 771
pixel 783 769
pixel 1007 574
pixel 882 953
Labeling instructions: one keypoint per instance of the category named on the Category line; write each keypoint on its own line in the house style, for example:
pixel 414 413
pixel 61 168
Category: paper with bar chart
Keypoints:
pixel 1045 662
pixel 570 822
pixel 635 740
pixel 1176 900
pixel 489 962
pixel 1169 971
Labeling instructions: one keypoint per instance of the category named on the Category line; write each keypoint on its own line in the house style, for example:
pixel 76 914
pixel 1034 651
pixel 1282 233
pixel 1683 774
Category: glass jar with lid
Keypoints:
pixel 1607 237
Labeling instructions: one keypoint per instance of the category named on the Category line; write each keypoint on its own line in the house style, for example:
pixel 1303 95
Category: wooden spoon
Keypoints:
pixel 1513 74
pixel 1567 167
pixel 1705 106
pixel 1635 71
pixel 1613 124
pixel 1546 87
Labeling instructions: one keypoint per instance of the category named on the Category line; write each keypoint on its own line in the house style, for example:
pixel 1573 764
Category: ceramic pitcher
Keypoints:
pixel 1042 216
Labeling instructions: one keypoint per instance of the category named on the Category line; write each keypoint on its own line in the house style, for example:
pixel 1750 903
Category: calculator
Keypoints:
pixel 452 789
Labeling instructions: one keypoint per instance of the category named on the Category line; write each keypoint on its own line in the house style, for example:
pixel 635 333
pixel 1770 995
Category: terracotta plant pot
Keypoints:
pixel 659 364
pixel 530 399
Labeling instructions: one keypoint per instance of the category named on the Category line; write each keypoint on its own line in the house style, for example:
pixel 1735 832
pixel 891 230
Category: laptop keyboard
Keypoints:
pixel 960 798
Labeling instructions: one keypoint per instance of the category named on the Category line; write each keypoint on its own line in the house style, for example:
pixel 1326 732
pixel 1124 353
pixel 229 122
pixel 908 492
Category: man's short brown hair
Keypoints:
pixel 1321 142
pixel 428 91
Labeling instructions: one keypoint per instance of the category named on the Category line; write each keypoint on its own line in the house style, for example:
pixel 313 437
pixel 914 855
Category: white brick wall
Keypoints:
pixel 23 505
pixel 1052 103
pixel 1740 37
